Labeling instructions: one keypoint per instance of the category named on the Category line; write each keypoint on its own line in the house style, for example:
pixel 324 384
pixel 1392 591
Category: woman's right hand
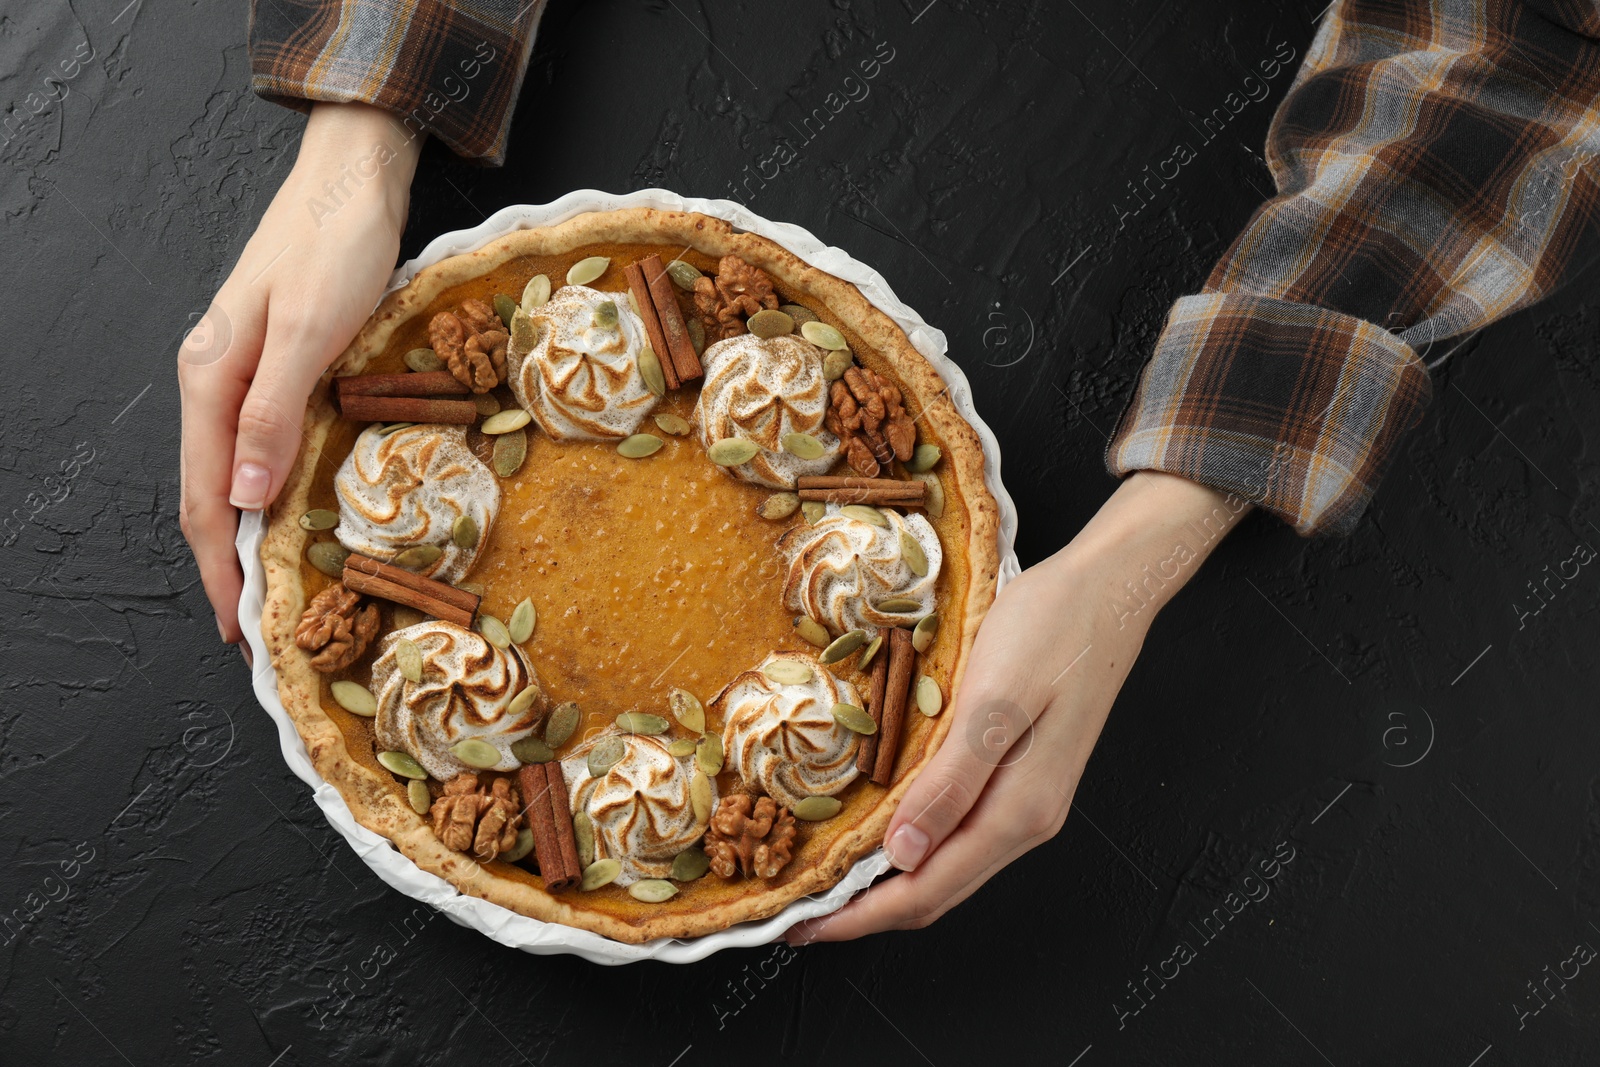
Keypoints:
pixel 304 285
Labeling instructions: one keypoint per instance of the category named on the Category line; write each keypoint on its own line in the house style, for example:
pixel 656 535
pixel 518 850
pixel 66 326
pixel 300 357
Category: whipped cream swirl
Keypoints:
pixel 407 488
pixel 760 389
pixel 782 738
pixel 841 568
pixel 640 807
pixel 466 687
pixel 579 380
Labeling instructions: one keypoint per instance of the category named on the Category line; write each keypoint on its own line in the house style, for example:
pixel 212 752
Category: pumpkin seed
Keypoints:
pixel 911 552
pixel 697 335
pixel 506 421
pixel 524 700
pixel 418 556
pixel 854 719
pixel 599 873
pixel 639 446
pixel 843 645
pixel 494 631
pixel 532 750
pixel 523 336
pixel 732 451
pixel 683 746
pixel 933 501
pixel 864 513
pixel 536 293
pixel 688 710
pixel 319 519
pixel 683 274
pixel 787 672
pixel 708 755
pixel 476 752
pixel 650 371
pixel 870 651
pixel 676 425
pixel 898 605
pixel 812 631
pixel 823 336
pixel 510 449
pixel 778 506
pixel 402 764
pixel 355 698
pixel 328 557
pixel 523 618
pixel 421 799
pixel 392 427
pixel 769 323
pixel 606 754
pixel 633 304
pixel 486 404
pixel 475 588
pixel 605 315
pixel 689 865
pixel 519 851
pixel 583 836
pixel 803 446
pixel 923 457
pixel 423 360
pixel 408 657
pixel 929 699
pixel 505 307
pixel 923 633
pixel 798 313
pixel 700 797
pixel 815 809
pixel 641 722
pixel 464 531
pixel 587 270
pixel 562 722
pixel 814 511
pixel 834 364
pixel 652 890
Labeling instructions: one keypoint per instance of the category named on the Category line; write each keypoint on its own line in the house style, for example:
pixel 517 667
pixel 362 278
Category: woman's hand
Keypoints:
pixel 1045 667
pixel 307 280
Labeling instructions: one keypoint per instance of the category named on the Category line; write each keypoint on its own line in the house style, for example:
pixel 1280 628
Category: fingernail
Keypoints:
pixel 249 657
pixel 907 847
pixel 222 633
pixel 250 484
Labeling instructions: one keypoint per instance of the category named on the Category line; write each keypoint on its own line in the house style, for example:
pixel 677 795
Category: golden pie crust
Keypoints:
pixel 339 743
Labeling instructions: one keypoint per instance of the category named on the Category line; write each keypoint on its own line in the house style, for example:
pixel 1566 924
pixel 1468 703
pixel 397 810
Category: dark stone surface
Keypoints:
pixel 1277 705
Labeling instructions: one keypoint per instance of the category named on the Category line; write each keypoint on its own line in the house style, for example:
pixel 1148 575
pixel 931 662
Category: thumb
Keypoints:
pixel 949 786
pixel 270 418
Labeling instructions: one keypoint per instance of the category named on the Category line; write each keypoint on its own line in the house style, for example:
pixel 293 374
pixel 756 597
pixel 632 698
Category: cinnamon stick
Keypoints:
pixel 408 409
pixel 867 755
pixel 368 576
pixel 665 300
pixel 421 383
pixel 535 784
pixel 652 322
pixel 896 691
pixel 561 811
pixel 849 481
pixel 875 495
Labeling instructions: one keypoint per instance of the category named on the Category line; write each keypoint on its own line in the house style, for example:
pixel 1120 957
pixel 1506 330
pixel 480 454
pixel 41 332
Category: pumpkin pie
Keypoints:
pixel 626 571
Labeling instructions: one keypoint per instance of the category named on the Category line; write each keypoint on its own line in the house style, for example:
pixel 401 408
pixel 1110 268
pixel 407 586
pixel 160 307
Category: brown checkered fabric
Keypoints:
pixel 451 69
pixel 1436 168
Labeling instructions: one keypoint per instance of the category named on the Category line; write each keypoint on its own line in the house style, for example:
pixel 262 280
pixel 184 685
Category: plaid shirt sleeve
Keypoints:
pixel 1436 170
pixel 451 68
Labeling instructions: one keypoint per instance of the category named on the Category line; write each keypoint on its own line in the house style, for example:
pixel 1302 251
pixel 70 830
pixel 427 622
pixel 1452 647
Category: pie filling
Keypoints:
pixel 629 575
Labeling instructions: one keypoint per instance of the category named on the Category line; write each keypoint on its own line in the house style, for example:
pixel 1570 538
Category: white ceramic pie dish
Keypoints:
pixel 508 927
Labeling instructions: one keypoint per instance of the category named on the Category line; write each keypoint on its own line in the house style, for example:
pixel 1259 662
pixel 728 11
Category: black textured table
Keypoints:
pixel 1382 721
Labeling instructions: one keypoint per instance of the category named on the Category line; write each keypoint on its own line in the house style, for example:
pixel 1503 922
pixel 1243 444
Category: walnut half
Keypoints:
pixel 468 819
pixel 337 628
pixel 472 344
pixel 738 291
pixel 749 835
pixel 865 411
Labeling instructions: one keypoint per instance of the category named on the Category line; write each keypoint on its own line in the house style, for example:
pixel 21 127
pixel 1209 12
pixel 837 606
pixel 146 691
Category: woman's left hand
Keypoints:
pixel 1047 663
